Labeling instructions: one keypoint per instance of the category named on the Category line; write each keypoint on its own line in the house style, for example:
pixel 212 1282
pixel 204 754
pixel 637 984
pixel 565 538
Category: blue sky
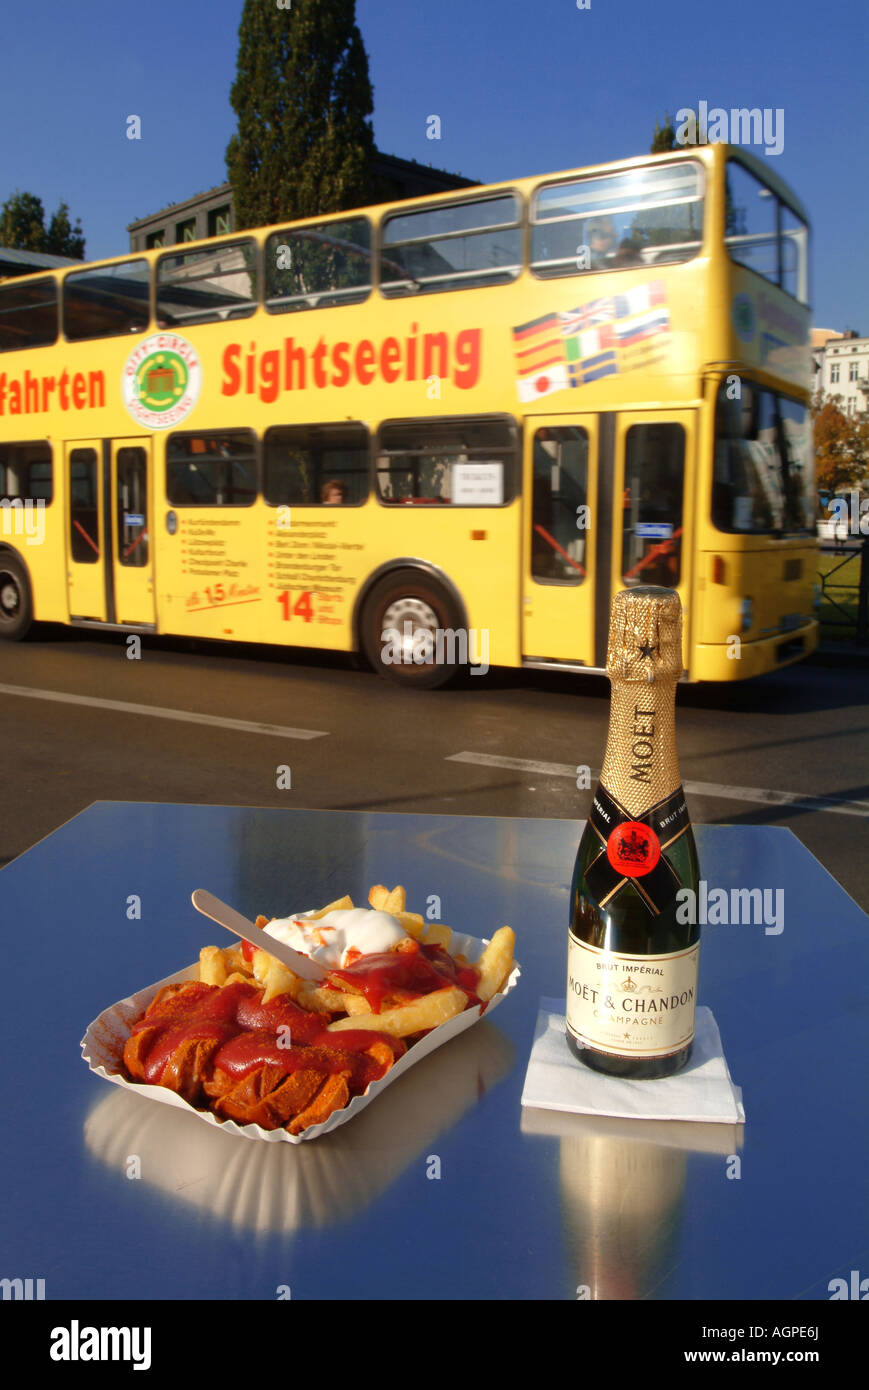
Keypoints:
pixel 521 87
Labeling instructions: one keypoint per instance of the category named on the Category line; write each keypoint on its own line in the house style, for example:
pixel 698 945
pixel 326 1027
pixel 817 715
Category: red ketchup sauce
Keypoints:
pixel 331 1052
pixel 207 1015
pixel 248 1035
pixel 420 970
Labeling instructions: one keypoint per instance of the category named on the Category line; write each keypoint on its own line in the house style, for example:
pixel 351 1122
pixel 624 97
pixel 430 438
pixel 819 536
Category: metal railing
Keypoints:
pixel 858 624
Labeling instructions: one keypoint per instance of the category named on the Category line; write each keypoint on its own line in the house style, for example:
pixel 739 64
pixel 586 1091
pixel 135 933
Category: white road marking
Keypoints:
pixel 184 716
pixel 761 795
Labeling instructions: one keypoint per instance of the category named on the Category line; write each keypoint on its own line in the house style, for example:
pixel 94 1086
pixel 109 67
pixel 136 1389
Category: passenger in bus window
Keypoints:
pixel 627 254
pixel 333 492
pixel 601 237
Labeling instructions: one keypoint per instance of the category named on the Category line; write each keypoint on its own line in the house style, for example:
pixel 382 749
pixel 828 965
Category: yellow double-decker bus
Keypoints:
pixel 431 432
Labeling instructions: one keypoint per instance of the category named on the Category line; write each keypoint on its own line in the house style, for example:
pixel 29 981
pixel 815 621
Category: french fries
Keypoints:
pixel 340 906
pixel 496 963
pixel 212 967
pixel 416 1017
pixel 400 1018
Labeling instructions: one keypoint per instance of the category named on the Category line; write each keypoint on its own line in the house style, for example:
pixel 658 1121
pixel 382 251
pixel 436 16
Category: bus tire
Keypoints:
pixel 409 597
pixel 16 602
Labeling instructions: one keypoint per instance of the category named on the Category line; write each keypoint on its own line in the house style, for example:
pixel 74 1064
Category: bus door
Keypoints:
pixel 132 551
pixel 110 569
pixel 560 540
pixel 85 530
pixel 653 503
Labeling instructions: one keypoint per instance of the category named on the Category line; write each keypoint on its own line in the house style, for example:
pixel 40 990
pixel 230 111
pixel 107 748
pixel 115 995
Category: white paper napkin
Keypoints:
pixel 703 1090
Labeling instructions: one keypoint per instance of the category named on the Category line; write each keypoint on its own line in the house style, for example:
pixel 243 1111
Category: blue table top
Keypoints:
pixel 107 1195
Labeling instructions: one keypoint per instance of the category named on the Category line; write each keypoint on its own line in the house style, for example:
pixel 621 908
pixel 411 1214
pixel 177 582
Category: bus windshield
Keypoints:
pixel 763 473
pixel 764 234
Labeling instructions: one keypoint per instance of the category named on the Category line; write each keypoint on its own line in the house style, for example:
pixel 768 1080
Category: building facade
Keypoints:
pixel 211 213
pixel 842 369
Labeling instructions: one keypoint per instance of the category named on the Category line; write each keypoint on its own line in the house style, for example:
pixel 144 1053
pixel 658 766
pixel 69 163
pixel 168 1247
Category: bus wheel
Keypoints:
pixel 401 620
pixel 16 606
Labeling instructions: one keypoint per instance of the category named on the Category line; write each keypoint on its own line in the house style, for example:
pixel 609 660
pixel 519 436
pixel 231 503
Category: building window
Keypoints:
pixel 853 371
pixel 155 239
pixel 834 373
pixel 185 231
pixel 219 221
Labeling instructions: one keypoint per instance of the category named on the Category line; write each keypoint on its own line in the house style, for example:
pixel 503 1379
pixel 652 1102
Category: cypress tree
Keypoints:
pixel 303 99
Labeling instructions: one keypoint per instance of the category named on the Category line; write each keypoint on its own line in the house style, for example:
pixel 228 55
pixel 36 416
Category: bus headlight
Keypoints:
pixel 747 614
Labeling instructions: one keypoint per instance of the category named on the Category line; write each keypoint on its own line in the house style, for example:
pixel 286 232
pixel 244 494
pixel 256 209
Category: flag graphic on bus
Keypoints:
pixel 541 362
pixel 616 333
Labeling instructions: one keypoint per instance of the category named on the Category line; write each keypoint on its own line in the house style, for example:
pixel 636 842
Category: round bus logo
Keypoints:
pixel 633 849
pixel 161 381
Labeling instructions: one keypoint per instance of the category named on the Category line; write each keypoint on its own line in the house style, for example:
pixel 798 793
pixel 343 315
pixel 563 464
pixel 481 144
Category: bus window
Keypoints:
pixel 132 468
pixel 652 505
pixel 794 255
pixel 464 462
pixel 26 472
pixel 84 528
pixel 28 314
pixel 103 303
pixel 452 248
pixel 642 217
pixel 318 267
pixel 209 284
pixel 211 470
pixel 762 476
pixel 751 234
pixel 560 487
pixel 311 465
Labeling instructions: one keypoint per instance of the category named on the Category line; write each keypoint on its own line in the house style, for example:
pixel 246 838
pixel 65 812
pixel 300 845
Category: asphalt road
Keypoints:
pixel 790 749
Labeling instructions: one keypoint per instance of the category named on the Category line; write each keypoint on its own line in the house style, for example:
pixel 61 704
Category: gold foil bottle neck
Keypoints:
pixel 645 637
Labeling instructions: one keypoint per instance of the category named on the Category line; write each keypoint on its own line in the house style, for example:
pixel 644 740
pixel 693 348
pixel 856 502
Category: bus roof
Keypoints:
pixel 708 154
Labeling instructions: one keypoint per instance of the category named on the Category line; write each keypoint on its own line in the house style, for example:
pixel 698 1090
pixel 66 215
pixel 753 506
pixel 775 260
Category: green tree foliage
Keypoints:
pixel 303 98
pixel 62 239
pixel 22 227
pixel 664 138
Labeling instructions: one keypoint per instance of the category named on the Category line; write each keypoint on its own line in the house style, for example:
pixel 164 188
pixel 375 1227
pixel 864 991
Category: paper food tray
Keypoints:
pixel 103 1049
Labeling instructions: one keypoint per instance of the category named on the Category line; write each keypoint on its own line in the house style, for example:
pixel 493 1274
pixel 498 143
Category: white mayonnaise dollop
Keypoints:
pixel 328 939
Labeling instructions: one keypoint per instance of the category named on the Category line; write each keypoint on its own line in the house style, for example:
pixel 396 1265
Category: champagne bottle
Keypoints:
pixel 631 963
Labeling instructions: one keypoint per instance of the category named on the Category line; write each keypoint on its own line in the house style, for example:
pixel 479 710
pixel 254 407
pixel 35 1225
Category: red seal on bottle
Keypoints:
pixel 633 849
